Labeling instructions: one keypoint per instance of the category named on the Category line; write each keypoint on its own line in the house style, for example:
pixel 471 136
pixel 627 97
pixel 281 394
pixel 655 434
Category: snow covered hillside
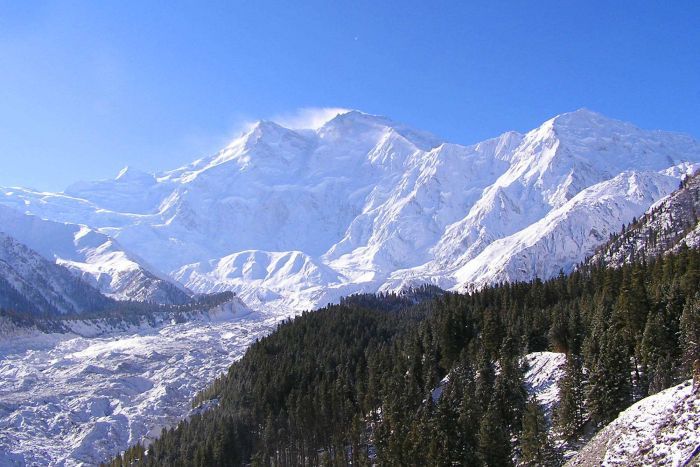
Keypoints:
pixel 544 370
pixel 663 429
pixel 73 400
pixel 297 218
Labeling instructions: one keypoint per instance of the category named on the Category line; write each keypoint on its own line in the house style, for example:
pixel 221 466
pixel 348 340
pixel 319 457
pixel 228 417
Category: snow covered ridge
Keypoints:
pixel 663 429
pixel 295 219
pixel 33 284
pixel 93 257
pixel 665 227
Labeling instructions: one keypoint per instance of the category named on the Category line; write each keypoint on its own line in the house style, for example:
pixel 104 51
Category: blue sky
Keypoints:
pixel 89 87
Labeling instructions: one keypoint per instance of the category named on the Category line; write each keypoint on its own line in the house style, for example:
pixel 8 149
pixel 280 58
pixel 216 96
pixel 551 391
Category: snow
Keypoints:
pixel 544 370
pixel 663 429
pixel 362 203
pixel 73 400
pixel 93 256
pixel 555 242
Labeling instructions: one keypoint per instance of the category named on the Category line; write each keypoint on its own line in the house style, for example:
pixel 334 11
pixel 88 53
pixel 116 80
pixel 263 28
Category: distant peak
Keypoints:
pixel 355 121
pixel 267 124
pixel 309 118
pixel 267 130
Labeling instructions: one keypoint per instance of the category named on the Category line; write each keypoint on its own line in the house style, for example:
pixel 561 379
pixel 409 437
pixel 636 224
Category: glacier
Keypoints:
pixel 79 398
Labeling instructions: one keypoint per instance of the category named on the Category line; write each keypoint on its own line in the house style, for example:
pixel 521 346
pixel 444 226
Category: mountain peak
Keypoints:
pixel 584 118
pixel 355 123
pixel 267 125
pixel 356 117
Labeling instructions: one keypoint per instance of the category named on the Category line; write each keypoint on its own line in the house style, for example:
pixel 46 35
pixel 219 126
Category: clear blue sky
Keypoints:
pixel 89 87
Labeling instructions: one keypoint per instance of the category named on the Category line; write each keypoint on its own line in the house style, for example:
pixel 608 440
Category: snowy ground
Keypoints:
pixel 544 370
pixel 663 429
pixel 69 400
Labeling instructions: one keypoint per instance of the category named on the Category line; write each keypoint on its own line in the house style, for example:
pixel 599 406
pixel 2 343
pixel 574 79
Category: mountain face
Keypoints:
pixel 298 218
pixel 28 282
pixel 93 257
pixel 666 226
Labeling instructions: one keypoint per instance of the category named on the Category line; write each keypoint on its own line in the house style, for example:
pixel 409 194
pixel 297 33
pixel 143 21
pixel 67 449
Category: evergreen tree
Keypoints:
pixel 569 412
pixel 609 387
pixel 534 441
pixel 494 440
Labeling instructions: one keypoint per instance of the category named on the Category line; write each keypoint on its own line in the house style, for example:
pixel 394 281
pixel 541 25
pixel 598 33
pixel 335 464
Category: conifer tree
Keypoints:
pixel 569 412
pixel 609 389
pixel 494 440
pixel 534 441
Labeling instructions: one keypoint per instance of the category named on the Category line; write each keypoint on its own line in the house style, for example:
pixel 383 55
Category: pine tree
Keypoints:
pixel 494 440
pixel 569 413
pixel 534 441
pixel 509 390
pixel 609 389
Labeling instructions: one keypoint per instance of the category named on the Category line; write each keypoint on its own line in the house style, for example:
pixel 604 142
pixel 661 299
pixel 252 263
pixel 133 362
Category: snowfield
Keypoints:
pixel 68 400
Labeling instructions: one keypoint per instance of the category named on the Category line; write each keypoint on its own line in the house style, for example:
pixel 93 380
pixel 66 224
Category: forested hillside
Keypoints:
pixel 352 382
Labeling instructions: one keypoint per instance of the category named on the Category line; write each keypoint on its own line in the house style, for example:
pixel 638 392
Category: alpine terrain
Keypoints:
pixel 489 304
pixel 298 218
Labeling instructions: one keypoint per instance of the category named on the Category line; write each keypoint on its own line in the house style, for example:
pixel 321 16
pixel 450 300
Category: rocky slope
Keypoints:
pixel 94 257
pixel 663 429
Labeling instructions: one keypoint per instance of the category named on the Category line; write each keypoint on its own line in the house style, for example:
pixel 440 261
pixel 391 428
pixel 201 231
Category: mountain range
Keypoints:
pixel 298 218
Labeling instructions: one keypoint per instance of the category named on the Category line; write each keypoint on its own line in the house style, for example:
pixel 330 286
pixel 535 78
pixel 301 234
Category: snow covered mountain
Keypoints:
pixel 298 218
pixel 30 283
pixel 94 257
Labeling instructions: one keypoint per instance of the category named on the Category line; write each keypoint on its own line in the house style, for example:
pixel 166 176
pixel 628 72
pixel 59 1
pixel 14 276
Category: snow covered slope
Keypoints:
pixel 666 226
pixel 544 370
pixel 94 257
pixel 298 218
pixel 558 241
pixel 663 429
pixel 29 283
